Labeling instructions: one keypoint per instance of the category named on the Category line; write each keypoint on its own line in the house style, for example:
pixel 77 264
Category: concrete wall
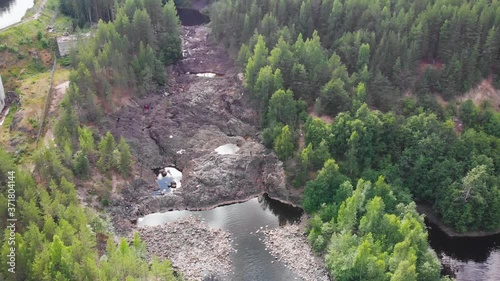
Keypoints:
pixel 2 95
pixel 66 43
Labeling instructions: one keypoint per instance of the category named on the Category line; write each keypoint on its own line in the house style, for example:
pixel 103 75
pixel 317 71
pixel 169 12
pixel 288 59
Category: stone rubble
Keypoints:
pixel 289 245
pixel 194 248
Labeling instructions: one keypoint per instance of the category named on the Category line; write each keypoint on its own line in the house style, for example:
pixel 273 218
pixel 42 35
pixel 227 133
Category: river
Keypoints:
pixel 467 259
pixel 251 261
pixel 12 11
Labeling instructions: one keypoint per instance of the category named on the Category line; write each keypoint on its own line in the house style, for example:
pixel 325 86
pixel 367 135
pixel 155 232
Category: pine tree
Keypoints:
pixel 298 82
pixel 491 52
pixel 106 160
pixel 86 140
pixel 333 98
pixel 264 86
pixel 283 144
pixel 335 23
pixel 122 22
pixel 282 12
pixel 125 157
pixel 268 28
pixel 48 164
pixel 67 126
pixel 243 55
pixel 81 165
pixel 315 131
pixel 282 58
pixel 363 56
pixel 59 266
pixel 306 26
pixel 282 108
pixel 169 35
pixel 154 10
pixel 255 63
pixel 142 29
pixel 161 270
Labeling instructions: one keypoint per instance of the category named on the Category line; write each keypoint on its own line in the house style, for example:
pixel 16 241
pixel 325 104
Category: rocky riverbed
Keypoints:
pixel 184 125
pixel 194 248
pixel 290 246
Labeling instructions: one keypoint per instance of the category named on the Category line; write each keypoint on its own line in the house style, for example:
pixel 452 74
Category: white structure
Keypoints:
pixel 2 95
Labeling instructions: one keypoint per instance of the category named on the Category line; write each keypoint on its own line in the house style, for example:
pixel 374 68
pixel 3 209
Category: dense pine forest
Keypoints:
pixel 374 69
pixel 125 57
pixel 55 237
pixel 427 47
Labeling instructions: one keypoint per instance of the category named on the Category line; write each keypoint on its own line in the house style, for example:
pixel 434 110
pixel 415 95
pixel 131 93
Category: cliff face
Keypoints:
pixel 187 123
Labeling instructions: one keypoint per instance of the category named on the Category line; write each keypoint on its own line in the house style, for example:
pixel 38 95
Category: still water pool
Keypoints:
pixel 251 261
pixel 467 258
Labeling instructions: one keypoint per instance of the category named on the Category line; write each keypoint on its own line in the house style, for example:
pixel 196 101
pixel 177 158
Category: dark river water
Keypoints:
pixel 191 17
pixel 468 259
pixel 251 261
pixel 11 11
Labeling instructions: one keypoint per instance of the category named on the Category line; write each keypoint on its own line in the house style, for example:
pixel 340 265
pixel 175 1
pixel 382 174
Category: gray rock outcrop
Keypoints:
pixel 185 127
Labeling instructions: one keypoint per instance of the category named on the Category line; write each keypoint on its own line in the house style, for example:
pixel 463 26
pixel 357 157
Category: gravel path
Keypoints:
pixel 289 245
pixel 194 248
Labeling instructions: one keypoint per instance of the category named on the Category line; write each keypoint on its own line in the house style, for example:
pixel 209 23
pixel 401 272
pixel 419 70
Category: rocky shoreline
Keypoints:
pixel 289 245
pixel 194 248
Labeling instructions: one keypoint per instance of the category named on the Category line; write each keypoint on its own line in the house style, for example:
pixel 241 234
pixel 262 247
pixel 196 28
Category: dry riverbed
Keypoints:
pixel 194 248
pixel 289 245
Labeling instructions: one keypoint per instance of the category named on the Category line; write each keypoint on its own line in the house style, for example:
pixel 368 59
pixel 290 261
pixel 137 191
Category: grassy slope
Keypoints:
pixel 28 75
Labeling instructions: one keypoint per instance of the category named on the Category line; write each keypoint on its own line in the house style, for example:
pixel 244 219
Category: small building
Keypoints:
pixel 66 43
pixel 2 95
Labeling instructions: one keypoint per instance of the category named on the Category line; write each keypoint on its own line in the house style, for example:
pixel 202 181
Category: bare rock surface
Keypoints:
pixel 194 248
pixel 289 245
pixel 185 126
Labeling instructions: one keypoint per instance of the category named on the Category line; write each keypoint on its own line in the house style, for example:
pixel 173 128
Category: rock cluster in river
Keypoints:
pixel 194 248
pixel 289 245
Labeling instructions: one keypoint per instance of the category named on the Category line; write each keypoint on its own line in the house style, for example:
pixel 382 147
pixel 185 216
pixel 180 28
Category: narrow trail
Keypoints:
pixel 59 93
